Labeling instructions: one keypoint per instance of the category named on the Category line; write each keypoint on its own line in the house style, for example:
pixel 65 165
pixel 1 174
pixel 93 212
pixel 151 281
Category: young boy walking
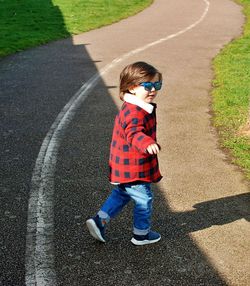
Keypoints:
pixel 133 154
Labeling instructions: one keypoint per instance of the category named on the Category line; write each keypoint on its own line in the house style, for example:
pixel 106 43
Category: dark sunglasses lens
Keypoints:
pixel 148 86
pixel 158 85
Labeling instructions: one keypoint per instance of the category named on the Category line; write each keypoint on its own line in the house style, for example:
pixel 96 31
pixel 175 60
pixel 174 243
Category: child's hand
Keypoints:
pixel 153 149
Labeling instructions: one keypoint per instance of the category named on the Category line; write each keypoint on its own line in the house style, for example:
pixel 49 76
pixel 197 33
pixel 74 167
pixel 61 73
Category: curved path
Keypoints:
pixel 200 206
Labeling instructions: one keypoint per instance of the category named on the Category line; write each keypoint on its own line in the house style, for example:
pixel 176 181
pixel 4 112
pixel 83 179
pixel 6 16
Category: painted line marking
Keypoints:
pixel 39 258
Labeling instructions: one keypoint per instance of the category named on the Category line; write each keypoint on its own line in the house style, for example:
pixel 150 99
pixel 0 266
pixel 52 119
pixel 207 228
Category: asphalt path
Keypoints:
pixel 201 206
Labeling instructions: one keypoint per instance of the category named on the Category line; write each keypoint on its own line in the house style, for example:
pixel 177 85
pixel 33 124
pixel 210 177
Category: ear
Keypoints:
pixel 131 89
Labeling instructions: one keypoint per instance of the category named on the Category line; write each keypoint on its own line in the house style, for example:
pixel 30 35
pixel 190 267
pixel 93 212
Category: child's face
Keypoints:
pixel 143 94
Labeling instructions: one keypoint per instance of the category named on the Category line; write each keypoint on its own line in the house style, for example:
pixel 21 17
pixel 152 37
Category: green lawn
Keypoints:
pixel 29 23
pixel 231 96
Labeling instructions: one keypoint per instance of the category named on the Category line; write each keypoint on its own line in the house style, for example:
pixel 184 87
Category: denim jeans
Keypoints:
pixel 141 195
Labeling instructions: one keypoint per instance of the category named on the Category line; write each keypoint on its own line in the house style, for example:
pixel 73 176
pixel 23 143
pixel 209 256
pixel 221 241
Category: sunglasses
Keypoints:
pixel 148 86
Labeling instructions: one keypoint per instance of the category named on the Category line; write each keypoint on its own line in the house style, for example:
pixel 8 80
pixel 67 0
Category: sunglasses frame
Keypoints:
pixel 152 84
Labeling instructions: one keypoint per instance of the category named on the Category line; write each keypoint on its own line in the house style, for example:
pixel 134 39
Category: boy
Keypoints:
pixel 133 154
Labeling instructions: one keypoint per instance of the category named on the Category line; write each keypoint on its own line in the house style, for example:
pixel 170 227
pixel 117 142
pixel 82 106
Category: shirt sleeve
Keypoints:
pixel 135 132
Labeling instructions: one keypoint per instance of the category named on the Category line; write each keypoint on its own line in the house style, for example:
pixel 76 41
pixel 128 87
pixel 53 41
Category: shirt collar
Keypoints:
pixel 130 98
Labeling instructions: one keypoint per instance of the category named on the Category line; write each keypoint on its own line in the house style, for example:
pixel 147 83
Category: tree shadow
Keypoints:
pixel 28 24
pixel 34 87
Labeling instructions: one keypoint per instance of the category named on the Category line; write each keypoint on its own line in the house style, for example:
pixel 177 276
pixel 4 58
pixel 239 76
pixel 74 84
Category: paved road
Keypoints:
pixel 201 206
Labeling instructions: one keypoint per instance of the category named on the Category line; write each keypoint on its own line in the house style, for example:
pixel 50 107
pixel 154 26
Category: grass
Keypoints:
pixel 231 96
pixel 29 23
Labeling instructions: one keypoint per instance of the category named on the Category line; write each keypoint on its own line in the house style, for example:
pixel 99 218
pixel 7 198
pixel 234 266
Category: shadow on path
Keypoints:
pixel 34 87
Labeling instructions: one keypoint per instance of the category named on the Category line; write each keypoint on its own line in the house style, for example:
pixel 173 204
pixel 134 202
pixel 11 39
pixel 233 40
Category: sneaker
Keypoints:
pixel 149 238
pixel 96 228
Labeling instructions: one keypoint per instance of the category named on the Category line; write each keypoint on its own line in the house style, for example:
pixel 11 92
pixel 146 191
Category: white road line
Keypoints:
pixel 39 259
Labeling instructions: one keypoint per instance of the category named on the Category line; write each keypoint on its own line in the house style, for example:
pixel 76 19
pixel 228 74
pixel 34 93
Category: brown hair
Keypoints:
pixel 134 74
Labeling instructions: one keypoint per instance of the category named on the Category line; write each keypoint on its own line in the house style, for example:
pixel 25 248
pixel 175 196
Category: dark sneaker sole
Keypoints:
pixel 144 242
pixel 94 230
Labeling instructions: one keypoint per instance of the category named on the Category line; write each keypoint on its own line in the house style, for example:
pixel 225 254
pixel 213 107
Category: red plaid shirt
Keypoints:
pixel 134 130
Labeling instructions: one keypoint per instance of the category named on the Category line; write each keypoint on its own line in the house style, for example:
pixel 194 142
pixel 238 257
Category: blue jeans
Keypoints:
pixel 141 195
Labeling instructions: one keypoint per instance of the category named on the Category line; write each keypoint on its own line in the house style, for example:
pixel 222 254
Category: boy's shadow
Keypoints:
pixel 206 214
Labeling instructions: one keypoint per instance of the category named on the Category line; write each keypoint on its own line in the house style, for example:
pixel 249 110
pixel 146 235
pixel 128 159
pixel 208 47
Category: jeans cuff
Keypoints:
pixel 103 215
pixel 141 231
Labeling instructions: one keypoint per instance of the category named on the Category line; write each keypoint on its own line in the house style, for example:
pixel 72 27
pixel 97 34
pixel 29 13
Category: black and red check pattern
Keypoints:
pixel 134 130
